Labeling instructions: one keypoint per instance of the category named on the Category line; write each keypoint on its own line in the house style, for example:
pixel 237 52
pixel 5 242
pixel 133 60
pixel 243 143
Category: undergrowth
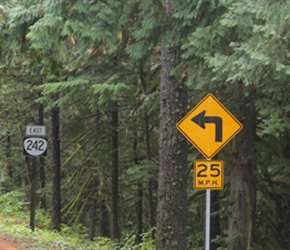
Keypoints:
pixel 14 223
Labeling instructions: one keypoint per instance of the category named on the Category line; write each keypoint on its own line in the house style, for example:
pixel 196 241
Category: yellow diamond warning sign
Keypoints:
pixel 209 126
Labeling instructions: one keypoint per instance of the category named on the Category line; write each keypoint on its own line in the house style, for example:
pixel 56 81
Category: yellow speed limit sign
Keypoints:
pixel 208 174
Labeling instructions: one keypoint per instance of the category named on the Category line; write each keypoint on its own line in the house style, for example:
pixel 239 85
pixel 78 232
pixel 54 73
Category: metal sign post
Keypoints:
pixel 207 220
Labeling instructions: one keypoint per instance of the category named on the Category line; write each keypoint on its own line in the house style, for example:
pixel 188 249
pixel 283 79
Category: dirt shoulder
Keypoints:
pixel 7 243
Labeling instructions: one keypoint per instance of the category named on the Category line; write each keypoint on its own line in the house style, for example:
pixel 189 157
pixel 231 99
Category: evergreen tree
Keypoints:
pixel 237 52
pixel 171 208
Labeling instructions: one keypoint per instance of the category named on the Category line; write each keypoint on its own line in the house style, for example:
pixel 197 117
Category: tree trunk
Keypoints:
pixel 243 183
pixel 104 219
pixel 114 126
pixel 139 203
pixel 94 219
pixel 139 211
pixel 56 178
pixel 41 161
pixel 8 156
pixel 93 216
pixel 152 202
pixel 171 206
pixel 215 228
pixel 33 180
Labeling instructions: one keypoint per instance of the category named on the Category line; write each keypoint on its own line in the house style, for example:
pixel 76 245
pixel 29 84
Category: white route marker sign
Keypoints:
pixel 35 146
pixel 35 142
pixel 36 130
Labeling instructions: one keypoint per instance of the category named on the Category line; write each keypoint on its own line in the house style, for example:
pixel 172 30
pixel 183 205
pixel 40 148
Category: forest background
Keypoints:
pixel 110 80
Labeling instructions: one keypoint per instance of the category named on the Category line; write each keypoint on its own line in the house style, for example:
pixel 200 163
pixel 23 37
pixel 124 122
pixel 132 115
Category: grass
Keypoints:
pixel 14 224
pixel 43 239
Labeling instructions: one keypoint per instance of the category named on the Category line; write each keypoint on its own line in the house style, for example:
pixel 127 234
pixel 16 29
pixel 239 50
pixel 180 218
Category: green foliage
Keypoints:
pixel 142 171
pixel 246 44
pixel 128 243
pixel 224 241
pixel 14 220
pixel 145 35
pixel 40 33
pixel 13 203
pixel 93 54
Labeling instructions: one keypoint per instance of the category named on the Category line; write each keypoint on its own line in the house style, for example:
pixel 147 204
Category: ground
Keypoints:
pixel 8 244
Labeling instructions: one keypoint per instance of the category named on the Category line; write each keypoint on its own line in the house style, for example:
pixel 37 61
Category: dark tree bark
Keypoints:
pixel 98 202
pixel 41 160
pixel 152 204
pixel 33 187
pixel 171 206
pixel 56 173
pixel 215 228
pixel 96 198
pixel 8 156
pixel 115 211
pixel 139 209
pixel 243 183
pixel 152 207
pixel 104 219
pixel 139 203
pixel 94 210
pixel 152 200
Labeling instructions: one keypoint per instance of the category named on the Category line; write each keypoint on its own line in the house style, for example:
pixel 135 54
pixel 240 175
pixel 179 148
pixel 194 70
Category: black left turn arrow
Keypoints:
pixel 201 119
